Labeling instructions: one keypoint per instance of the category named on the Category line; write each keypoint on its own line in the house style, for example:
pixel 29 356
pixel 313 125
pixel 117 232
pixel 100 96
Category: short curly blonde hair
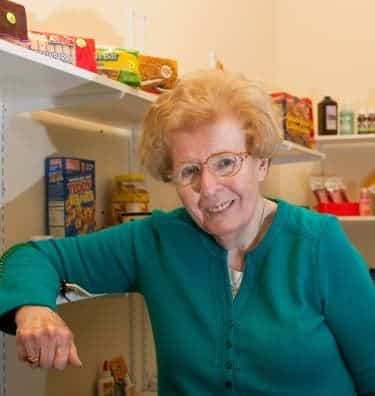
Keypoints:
pixel 205 97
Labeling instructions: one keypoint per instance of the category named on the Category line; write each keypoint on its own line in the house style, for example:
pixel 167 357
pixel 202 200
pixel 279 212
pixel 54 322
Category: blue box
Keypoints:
pixel 70 191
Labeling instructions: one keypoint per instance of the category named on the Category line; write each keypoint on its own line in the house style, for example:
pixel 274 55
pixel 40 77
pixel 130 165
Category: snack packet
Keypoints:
pixel 319 190
pixel 336 189
pixel 119 64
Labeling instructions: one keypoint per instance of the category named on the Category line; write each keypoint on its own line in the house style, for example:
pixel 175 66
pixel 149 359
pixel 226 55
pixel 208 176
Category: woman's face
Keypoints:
pixel 222 206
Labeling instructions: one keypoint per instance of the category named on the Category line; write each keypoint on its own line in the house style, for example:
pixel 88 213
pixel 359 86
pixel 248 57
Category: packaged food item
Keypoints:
pixel 319 190
pixel 13 21
pixel 119 64
pixel 336 189
pixel 331 196
pixel 70 185
pixel 129 198
pixel 296 117
pixel 327 116
pixel 157 74
pixel 77 51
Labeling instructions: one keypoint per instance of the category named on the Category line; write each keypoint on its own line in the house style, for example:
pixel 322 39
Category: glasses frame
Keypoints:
pixel 241 156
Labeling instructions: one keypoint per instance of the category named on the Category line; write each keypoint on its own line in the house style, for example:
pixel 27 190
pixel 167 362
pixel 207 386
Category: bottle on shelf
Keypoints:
pixel 371 121
pixel 365 202
pixel 347 120
pixel 362 122
pixel 327 116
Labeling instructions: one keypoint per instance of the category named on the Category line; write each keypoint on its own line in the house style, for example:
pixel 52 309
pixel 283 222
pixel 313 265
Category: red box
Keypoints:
pixel 74 50
pixel 339 209
pixel 13 23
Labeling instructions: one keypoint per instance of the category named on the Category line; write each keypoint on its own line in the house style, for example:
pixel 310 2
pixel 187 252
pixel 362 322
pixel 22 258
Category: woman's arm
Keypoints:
pixel 30 278
pixel 31 274
pixel 348 299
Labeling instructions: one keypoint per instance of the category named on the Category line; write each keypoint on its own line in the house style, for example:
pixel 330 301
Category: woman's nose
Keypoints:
pixel 207 183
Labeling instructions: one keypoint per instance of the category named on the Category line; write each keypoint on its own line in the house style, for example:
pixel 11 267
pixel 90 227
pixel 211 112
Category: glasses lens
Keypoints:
pixel 187 174
pixel 224 164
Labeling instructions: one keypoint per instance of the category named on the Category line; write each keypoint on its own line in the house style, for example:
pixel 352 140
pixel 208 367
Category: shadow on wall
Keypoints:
pixel 78 22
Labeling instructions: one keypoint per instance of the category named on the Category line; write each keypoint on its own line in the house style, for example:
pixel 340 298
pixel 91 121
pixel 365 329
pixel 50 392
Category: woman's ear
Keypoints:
pixel 263 164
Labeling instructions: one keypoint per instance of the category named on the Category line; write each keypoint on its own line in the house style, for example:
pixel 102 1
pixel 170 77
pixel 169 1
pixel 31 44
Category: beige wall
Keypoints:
pixel 327 48
pixel 240 31
pixel 303 47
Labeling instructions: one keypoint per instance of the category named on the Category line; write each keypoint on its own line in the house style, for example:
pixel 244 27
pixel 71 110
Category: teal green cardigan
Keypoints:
pixel 302 324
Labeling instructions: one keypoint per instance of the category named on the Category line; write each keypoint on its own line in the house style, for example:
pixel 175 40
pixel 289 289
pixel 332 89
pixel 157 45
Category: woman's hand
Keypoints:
pixel 44 340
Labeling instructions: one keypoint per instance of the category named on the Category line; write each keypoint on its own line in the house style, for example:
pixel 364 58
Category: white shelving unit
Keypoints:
pixel 291 152
pixel 357 219
pixel 32 82
pixel 346 139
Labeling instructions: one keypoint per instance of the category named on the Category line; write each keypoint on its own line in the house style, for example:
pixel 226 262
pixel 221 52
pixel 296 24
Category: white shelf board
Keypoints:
pixel 357 219
pixel 33 81
pixel 291 152
pixel 346 139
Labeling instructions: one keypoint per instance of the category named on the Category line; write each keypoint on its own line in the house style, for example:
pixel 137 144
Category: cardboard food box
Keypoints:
pixel 296 117
pixel 70 188
pixel 118 64
pixel 13 22
pixel 77 51
pixel 157 74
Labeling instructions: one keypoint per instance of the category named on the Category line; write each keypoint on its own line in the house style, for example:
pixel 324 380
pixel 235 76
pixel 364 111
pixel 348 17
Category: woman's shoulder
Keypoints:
pixel 305 221
pixel 176 217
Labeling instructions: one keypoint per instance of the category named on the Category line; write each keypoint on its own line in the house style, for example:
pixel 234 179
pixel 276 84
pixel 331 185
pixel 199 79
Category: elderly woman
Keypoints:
pixel 247 295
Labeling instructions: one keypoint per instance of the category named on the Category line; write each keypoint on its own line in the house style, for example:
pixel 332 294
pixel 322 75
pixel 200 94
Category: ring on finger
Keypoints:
pixel 34 360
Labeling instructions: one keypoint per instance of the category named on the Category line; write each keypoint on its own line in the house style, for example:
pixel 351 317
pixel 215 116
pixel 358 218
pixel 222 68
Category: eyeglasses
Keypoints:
pixel 219 164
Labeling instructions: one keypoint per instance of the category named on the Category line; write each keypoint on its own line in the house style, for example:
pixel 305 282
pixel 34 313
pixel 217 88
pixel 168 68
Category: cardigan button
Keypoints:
pixel 228 365
pixel 228 384
pixel 228 344
pixel 231 324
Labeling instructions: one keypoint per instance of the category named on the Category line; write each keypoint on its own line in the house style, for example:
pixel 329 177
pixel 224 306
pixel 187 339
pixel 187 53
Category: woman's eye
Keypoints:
pixel 189 171
pixel 225 163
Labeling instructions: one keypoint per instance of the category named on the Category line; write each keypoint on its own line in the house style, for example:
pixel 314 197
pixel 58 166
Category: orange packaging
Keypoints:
pixel 157 74
pixel 297 117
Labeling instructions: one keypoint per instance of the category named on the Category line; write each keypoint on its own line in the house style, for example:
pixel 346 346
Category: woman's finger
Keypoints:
pixel 62 352
pixel 47 350
pixel 21 350
pixel 32 347
pixel 74 359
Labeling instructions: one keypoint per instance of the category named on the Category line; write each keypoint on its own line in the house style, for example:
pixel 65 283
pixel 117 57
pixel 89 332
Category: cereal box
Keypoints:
pixel 296 116
pixel 70 188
